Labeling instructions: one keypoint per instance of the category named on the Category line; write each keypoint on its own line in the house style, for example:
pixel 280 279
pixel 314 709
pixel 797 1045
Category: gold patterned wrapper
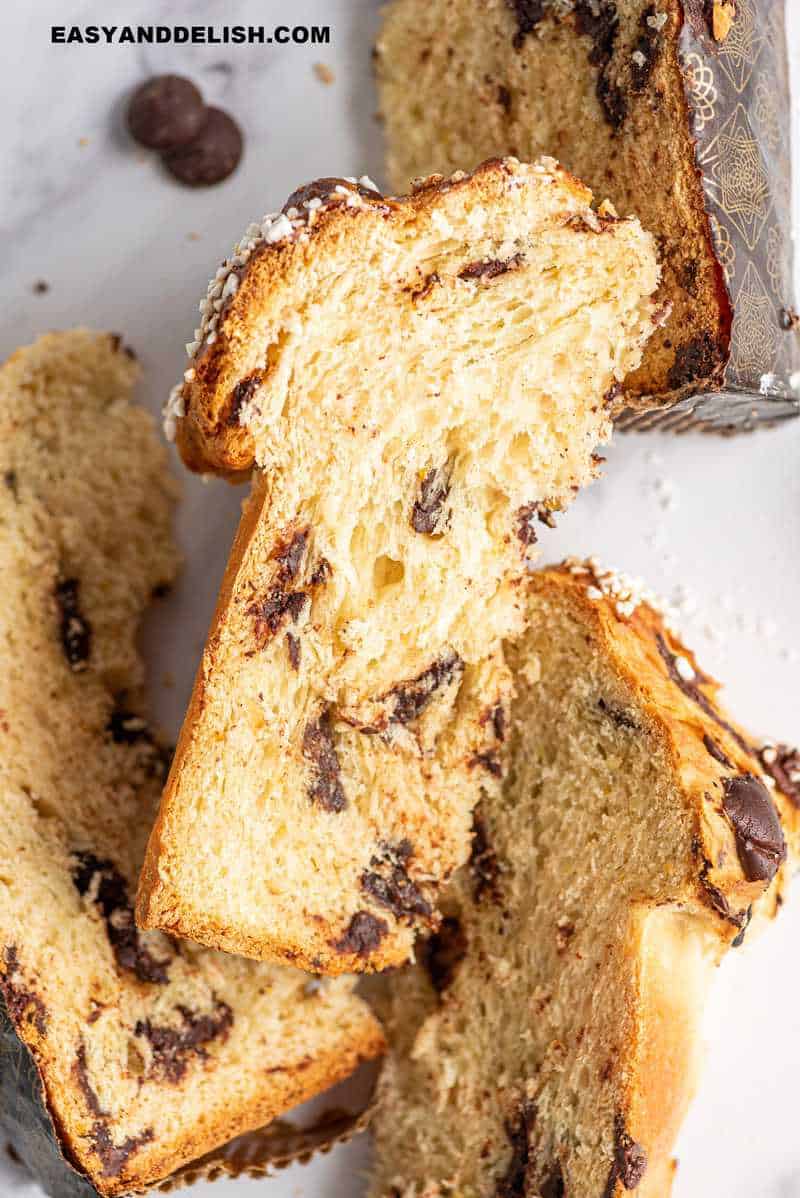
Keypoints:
pixel 738 95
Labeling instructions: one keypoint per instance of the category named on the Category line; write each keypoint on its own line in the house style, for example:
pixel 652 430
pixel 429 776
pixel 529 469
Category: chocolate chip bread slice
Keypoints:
pixel 545 1044
pixel 676 110
pixel 124 1054
pixel 417 383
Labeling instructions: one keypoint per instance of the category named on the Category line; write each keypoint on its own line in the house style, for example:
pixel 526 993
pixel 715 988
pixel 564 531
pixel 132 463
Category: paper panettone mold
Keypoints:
pixel 675 110
pixel 738 95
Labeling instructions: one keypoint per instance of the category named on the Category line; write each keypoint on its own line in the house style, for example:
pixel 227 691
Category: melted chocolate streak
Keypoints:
pixel 693 692
pixel 112 1156
pixel 114 906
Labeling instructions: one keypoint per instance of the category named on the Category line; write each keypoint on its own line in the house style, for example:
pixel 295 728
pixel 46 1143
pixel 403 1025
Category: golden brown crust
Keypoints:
pixel 206 437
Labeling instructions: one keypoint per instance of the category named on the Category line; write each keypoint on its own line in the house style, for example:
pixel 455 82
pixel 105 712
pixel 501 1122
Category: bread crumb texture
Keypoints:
pixel 418 384
pixel 150 1051
pixel 546 1040
pixel 601 84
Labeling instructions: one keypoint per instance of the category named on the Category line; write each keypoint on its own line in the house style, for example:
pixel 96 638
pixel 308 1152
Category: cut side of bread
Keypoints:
pixel 620 90
pixel 419 384
pixel 546 1041
pixel 132 1053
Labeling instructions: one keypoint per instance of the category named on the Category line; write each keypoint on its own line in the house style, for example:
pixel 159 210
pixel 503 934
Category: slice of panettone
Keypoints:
pixel 546 1042
pixel 416 383
pixel 123 1055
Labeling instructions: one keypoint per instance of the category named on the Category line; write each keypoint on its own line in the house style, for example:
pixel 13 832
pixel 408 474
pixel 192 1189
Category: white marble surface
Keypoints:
pixel 123 247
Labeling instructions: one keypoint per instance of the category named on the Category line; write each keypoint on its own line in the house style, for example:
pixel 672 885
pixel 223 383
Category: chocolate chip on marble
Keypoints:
pixel 166 112
pixel 211 155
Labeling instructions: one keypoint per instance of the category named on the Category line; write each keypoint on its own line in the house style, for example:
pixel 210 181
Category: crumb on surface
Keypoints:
pixel 324 73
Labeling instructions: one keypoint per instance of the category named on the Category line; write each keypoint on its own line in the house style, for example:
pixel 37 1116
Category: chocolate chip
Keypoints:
pixel 487 761
pixel 75 629
pixel 113 904
pixel 738 941
pixel 599 21
pixel 427 512
pixel 713 749
pixel 630 1159
pixel 691 689
pixel 113 1156
pixel 443 952
pixel 504 98
pixel 513 1184
pixel 324 189
pixel 696 361
pixel 293 645
pixel 526 518
pixel 126 727
pixel 171 1046
pixel 388 883
pixel 491 268
pixel 166 112
pixel 290 555
pixel 363 934
pixel 499 721
pixel 618 715
pixel 268 614
pixel 11 482
pixel 242 392
pixel 318 746
pixel 22 1004
pixel 756 825
pixel 645 51
pixel 528 13
pixel 483 863
pixel 553 1185
pixel 409 699
pixel 782 763
pixel 211 155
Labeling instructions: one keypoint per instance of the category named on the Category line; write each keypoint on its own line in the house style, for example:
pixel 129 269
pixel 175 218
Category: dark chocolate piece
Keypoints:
pixel 443 952
pixel 518 1130
pixel 11 482
pixel 695 361
pixel 165 112
pixel 599 21
pixel 293 645
pixel 324 189
pixel 491 268
pixel 269 613
pixel 211 155
pixel 526 528
pixel 553 1185
pixel 112 901
pixel 172 1046
pixel 756 825
pixel 242 392
pixel 782 763
pixel 691 688
pixel 504 98
pixel 429 505
pixel 388 883
pixel 319 747
pixel 362 935
pixel 618 715
pixel 645 51
pixel 410 699
pixel 738 941
pixel 630 1159
pixel 488 761
pixel 483 863
pixel 713 749
pixel 22 1004
pixel 115 1156
pixel 75 629
pixel 126 727
pixel 528 13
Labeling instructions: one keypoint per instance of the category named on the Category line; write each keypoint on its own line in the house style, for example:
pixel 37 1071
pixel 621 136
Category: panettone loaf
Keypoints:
pixel 545 1042
pixel 419 382
pixel 123 1055
pixel 677 110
